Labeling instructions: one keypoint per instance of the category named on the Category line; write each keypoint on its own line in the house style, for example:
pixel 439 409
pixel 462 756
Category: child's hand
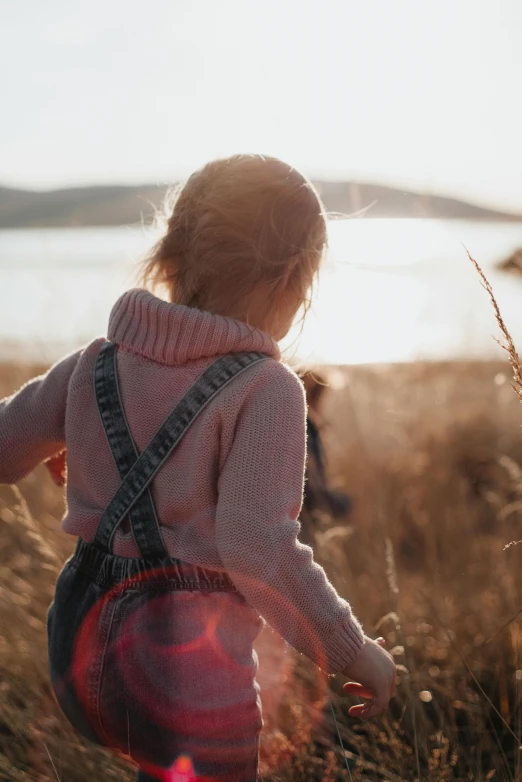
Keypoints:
pixel 373 674
pixel 57 468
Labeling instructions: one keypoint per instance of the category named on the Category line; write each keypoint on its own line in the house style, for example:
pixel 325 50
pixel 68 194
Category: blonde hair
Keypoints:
pixel 240 226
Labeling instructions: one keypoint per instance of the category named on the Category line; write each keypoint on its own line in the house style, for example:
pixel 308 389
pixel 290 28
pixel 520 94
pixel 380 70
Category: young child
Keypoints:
pixel 185 438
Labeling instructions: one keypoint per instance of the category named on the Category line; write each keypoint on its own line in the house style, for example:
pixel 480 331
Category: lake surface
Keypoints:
pixel 391 290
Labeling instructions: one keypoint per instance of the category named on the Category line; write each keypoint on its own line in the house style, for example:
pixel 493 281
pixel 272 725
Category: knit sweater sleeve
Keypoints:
pixel 260 497
pixel 32 421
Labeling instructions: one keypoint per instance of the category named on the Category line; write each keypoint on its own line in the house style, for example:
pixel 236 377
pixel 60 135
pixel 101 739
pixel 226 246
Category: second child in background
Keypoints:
pixel 321 503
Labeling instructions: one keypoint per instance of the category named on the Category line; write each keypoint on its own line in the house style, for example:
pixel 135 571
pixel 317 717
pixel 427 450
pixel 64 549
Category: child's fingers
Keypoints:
pixel 353 688
pixel 375 707
pixel 57 468
pixel 376 703
pixel 357 711
pixel 367 711
pixel 381 642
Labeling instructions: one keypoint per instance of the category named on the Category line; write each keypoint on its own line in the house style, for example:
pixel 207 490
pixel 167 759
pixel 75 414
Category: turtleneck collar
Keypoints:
pixel 174 334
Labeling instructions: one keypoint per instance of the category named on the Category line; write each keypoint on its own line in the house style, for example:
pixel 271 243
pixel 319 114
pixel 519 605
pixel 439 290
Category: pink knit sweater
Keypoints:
pixel 228 496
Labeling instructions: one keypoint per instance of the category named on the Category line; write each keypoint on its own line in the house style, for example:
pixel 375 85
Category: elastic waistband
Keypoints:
pixel 110 570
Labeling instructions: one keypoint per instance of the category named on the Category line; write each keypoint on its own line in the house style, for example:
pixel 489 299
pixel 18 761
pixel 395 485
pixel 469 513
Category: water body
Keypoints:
pixel 391 290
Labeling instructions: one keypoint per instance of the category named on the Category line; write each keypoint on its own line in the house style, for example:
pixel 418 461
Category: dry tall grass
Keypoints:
pixel 432 456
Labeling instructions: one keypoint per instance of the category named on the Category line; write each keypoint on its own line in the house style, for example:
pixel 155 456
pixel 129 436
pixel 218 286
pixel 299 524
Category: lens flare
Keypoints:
pixel 182 771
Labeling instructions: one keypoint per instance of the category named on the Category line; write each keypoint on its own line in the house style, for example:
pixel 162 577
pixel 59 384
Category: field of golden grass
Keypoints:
pixel 432 457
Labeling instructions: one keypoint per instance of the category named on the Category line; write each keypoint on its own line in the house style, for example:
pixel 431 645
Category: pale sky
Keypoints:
pixel 424 93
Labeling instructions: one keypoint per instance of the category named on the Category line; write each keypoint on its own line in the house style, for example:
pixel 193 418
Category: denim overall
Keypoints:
pixel 153 656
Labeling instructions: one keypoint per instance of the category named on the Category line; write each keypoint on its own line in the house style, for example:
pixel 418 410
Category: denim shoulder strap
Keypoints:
pixel 143 517
pixel 136 481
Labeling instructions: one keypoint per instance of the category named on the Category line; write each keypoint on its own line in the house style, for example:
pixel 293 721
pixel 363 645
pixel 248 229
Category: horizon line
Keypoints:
pixel 406 189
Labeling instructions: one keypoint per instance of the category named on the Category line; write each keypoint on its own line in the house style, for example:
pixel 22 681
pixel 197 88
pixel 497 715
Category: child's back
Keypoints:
pixel 151 631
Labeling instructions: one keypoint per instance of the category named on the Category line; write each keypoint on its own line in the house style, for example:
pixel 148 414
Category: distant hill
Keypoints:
pixel 124 205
